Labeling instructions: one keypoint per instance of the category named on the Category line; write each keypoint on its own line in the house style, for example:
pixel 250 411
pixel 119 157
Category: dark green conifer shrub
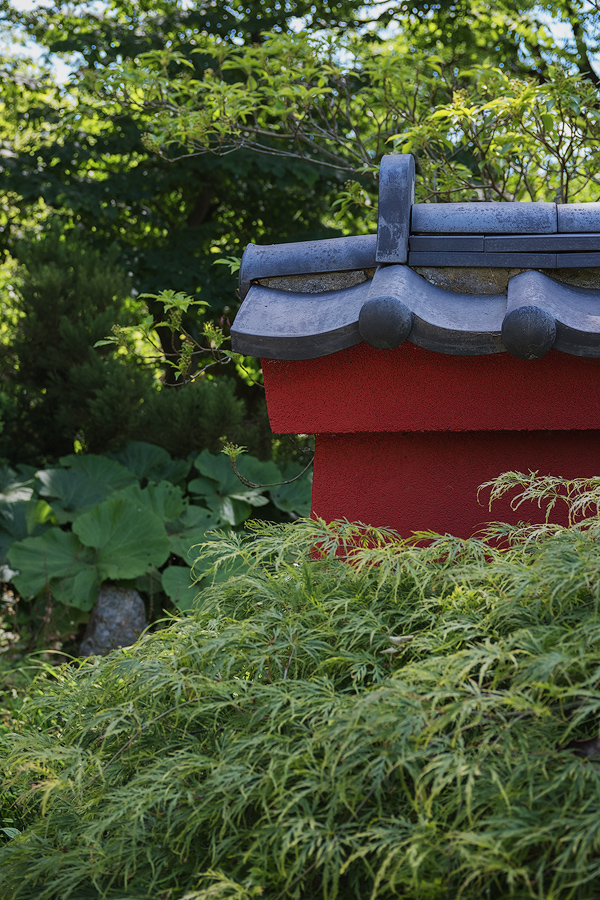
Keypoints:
pixel 58 391
pixel 57 388
pixel 192 417
pixel 420 722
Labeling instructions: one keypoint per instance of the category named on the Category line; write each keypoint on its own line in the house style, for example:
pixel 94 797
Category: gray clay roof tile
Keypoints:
pixel 309 319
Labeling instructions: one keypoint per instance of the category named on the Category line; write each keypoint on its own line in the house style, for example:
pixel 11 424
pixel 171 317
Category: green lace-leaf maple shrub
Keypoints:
pixel 388 719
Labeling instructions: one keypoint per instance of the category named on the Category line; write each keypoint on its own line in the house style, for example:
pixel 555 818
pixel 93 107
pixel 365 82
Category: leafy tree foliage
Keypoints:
pixel 339 104
pixel 93 170
pixel 88 160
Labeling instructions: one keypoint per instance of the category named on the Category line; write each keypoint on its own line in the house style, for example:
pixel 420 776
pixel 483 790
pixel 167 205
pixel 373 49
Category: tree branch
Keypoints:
pixel 583 64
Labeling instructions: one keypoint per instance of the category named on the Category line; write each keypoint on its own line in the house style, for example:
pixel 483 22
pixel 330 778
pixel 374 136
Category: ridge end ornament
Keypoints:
pixel 396 198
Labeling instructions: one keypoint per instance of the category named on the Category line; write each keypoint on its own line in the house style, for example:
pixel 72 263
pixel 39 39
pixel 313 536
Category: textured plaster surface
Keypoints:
pixel 412 389
pixel 428 481
pixel 475 280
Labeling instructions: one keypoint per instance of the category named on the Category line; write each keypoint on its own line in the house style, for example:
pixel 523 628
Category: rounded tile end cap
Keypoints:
pixel 528 332
pixel 384 322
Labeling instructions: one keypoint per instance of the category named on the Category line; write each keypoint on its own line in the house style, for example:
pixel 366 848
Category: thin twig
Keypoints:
pixel 252 484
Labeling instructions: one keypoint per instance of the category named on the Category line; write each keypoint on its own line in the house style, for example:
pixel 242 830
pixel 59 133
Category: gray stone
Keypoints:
pixel 578 217
pixel 306 258
pixel 117 620
pixel 468 280
pixel 577 260
pixel 385 322
pixel 485 260
pixel 528 332
pixel 575 310
pixel 427 243
pixel 276 324
pixel 585 278
pixel 443 321
pixel 542 243
pixel 477 280
pixel 528 314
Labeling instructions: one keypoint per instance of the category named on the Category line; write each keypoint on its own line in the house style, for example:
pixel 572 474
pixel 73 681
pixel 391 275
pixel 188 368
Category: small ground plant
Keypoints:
pixel 354 716
pixel 129 518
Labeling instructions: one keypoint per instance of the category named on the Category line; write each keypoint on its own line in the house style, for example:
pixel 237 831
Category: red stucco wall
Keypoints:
pixel 411 389
pixel 428 481
pixel 405 437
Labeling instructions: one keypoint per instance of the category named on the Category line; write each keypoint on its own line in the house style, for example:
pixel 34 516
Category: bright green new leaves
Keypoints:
pixel 477 131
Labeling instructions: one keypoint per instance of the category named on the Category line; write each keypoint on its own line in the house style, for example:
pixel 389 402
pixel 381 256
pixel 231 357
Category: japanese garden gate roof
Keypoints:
pixel 457 278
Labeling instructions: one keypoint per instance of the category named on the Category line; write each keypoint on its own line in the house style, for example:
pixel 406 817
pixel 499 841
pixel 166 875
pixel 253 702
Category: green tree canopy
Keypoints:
pixel 66 151
pixel 82 153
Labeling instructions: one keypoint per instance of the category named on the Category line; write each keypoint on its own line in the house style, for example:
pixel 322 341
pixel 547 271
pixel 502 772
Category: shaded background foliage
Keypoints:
pixel 93 170
pixel 87 162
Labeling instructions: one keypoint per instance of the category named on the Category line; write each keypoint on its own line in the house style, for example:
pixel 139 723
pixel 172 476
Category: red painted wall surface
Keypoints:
pixel 428 481
pixel 411 389
pixel 404 438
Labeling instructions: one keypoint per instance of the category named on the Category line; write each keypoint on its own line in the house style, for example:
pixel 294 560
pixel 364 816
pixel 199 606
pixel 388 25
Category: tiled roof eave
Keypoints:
pixel 535 314
pixel 526 242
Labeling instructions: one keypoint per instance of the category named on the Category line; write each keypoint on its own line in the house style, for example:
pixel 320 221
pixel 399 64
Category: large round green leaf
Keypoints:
pixel 232 510
pixel 223 492
pixel 22 519
pixel 14 486
pixel 129 538
pixel 79 589
pixel 84 482
pixel 258 471
pixel 40 560
pixel 164 499
pixel 190 530
pixel 217 468
pixel 294 497
pixel 180 587
pixel 152 462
